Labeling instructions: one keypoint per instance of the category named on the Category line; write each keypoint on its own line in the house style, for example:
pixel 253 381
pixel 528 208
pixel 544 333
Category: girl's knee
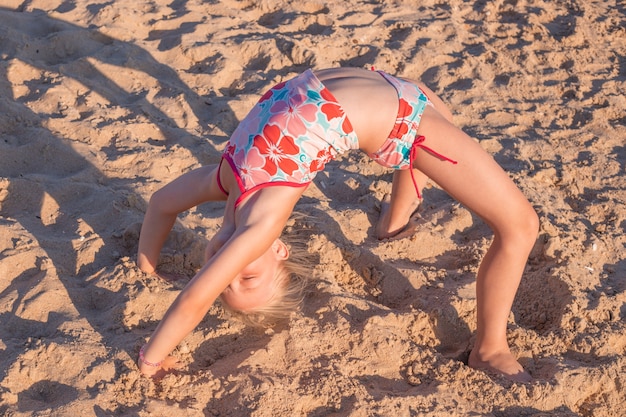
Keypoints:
pixel 531 226
pixel 524 226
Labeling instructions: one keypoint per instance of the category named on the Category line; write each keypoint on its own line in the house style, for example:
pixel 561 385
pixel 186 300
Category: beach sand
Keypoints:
pixel 102 103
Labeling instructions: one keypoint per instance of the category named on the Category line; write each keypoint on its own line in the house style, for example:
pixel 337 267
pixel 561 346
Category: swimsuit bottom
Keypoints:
pixel 400 148
pixel 298 126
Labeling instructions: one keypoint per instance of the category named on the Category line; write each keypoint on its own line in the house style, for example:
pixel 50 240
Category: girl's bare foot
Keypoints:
pixel 501 363
pixel 398 228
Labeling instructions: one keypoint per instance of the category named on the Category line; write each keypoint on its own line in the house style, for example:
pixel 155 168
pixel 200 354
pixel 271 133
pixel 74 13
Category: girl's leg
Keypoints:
pixel 395 213
pixel 479 183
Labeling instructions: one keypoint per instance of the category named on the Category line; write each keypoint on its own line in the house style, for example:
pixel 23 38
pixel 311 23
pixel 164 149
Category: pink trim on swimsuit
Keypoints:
pixel 217 178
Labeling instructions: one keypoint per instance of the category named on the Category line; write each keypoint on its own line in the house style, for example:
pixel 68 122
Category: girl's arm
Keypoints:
pixel 187 191
pixel 259 222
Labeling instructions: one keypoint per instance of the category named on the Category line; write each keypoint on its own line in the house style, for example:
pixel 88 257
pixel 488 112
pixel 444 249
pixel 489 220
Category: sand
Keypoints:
pixel 102 103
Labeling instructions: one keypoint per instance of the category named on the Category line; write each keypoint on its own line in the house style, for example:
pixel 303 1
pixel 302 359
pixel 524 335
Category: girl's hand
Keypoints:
pixel 167 366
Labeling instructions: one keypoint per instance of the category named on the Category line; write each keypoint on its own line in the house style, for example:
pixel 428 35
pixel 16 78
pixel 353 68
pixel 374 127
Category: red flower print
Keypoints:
pixel 332 109
pixel 393 159
pixel 327 95
pixel 347 126
pixel 401 128
pixel 320 161
pixel 276 148
pixel 251 167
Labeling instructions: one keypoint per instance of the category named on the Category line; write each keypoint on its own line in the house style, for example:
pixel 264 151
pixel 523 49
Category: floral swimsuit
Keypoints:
pixel 298 126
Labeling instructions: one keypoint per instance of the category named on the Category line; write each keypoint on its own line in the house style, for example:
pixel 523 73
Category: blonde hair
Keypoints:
pixel 292 279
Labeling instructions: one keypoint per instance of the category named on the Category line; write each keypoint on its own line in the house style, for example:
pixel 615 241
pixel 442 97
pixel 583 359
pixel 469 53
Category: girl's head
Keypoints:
pixel 268 289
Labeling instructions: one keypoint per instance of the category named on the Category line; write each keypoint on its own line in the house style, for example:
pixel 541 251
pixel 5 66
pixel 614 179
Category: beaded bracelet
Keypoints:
pixel 144 361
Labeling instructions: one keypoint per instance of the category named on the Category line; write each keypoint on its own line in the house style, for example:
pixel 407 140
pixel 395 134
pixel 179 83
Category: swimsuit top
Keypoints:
pixel 288 136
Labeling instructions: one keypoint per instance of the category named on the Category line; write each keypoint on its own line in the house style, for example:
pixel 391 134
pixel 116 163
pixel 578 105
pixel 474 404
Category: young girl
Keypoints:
pixel 289 135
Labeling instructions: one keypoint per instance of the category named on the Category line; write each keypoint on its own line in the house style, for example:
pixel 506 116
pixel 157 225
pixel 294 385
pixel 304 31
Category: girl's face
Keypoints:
pixel 256 283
